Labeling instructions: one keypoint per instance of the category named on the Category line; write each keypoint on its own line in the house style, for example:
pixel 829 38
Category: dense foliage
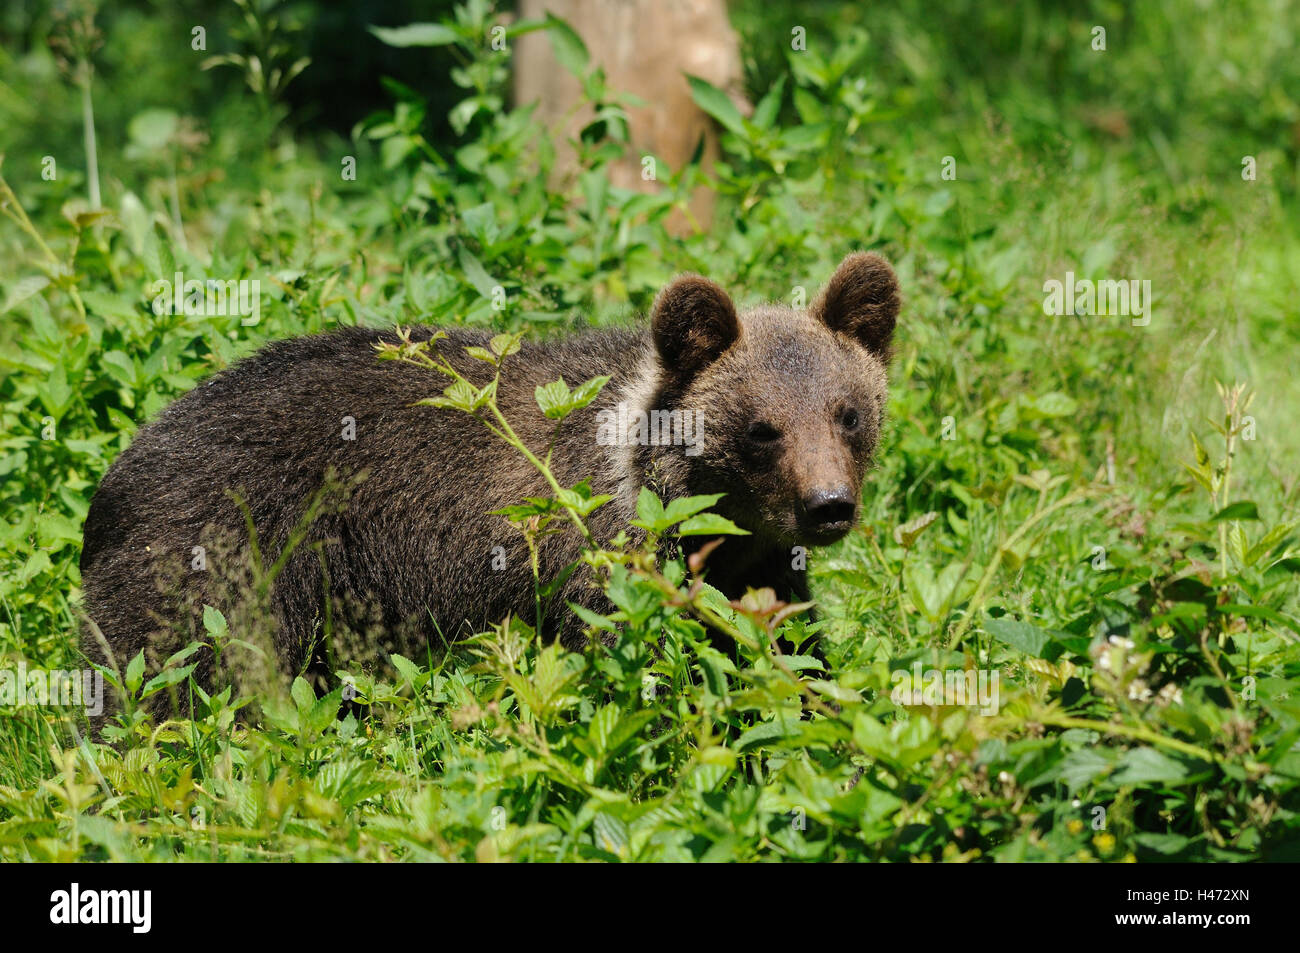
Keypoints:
pixel 1101 513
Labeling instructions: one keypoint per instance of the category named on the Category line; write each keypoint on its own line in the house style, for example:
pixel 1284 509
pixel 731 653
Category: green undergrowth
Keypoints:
pixel 1099 513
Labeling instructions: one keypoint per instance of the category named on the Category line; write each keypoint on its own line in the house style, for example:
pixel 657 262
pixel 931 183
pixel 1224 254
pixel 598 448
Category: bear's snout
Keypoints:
pixel 828 512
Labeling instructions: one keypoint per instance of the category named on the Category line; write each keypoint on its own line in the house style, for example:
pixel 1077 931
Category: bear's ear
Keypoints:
pixel 694 322
pixel 862 301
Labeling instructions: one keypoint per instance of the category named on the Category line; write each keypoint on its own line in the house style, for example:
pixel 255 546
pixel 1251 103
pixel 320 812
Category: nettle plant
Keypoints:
pixel 537 517
pixel 659 745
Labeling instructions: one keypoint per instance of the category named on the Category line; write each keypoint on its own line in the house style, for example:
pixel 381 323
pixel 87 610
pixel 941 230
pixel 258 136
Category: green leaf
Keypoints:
pixel 685 506
pixel 587 391
pixel 1081 766
pixel 602 726
pixel 1055 404
pixel 481 223
pixel 714 666
pixel 835 691
pixel 136 223
pixel 323 713
pixel 459 394
pixel 166 678
pixel 520 27
pixel 1268 541
pixel 919 582
pixel 153 129
pixel 649 511
pixel 476 274
pixel 872 737
pixel 1148 766
pixel 409 671
pixel 593 619
pixel 1030 639
pixel 214 623
pixel 767 733
pixel 302 694
pixel 1241 510
pixel 610 834
pixel 810 108
pixel 119 366
pixel 765 112
pixel 570 51
pixel 717 104
pixel 710 524
pixel 37 563
pixel 557 401
pixel 581 499
pixel 503 345
pixel 109 305
pixel 553 398
pixel 416 34
pixel 1202 455
pixel 135 672
pixel 1167 844
pixel 907 534
pixel 23 289
pixel 485 396
pixel 809 663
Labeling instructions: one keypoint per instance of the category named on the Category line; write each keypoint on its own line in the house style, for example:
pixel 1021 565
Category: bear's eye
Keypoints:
pixel 850 419
pixel 763 432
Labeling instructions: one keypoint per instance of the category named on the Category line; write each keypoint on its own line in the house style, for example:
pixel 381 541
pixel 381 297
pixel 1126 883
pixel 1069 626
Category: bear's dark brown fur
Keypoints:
pixel 401 552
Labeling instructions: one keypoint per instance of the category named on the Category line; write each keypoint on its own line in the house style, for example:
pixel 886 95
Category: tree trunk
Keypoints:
pixel 645 47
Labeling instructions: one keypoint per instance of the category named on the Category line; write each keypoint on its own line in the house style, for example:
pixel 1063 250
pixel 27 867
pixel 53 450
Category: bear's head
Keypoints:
pixel 790 402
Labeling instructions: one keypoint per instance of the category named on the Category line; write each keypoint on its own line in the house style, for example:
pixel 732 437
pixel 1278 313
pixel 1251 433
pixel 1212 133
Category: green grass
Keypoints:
pixel 1074 466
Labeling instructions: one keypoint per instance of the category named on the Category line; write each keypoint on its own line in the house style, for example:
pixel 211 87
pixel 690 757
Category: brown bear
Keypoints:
pixel 314 450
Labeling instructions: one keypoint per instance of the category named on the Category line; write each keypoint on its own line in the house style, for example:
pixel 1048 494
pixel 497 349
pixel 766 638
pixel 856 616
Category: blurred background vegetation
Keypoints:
pixel 1122 163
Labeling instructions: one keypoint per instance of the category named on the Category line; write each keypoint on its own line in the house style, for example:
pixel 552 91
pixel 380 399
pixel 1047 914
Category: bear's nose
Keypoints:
pixel 830 508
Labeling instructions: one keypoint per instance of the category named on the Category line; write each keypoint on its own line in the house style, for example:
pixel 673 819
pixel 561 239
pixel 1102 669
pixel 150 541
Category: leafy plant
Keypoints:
pixel 1030 517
